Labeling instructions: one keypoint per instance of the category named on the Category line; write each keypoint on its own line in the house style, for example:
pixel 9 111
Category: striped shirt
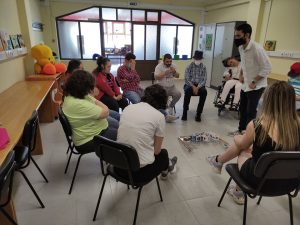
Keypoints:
pixel 195 75
pixel 295 82
pixel 132 77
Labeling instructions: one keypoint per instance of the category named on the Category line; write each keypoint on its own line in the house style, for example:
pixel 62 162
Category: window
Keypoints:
pixel 109 31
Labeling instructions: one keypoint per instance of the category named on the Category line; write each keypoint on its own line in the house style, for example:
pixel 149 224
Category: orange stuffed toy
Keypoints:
pixel 45 62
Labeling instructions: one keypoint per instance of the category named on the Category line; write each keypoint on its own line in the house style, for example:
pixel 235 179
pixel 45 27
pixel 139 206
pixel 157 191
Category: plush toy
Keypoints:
pixel 45 62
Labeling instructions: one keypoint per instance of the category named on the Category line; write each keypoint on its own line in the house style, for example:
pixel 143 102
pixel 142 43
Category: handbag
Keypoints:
pixel 4 138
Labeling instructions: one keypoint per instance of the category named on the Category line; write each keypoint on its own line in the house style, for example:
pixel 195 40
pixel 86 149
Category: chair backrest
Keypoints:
pixel 30 131
pixel 6 178
pixel 119 155
pixel 66 126
pixel 278 165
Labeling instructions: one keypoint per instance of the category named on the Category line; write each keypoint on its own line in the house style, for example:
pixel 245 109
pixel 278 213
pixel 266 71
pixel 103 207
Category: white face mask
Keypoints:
pixel 197 62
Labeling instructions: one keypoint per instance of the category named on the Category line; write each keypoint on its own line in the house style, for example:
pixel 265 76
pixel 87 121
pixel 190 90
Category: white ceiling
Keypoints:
pixel 184 3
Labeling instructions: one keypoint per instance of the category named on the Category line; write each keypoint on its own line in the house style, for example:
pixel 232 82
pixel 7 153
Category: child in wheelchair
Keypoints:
pixel 230 90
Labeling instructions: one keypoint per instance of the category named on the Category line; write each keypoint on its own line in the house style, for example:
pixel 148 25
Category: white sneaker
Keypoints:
pixel 171 118
pixel 237 196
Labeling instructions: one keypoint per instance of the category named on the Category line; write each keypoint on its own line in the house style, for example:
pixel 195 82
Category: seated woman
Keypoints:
pixel 231 76
pixel 277 129
pixel 147 129
pixel 87 115
pixel 109 92
pixel 75 64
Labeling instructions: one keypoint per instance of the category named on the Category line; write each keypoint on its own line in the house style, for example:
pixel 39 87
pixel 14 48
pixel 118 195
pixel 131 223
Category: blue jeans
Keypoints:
pixel 134 97
pixel 113 119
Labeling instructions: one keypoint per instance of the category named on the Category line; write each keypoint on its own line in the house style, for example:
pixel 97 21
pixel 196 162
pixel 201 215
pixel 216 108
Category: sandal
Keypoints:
pixel 234 107
pixel 220 103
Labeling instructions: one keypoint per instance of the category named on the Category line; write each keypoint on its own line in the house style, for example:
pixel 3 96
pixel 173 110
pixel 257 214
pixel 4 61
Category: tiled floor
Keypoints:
pixel 190 196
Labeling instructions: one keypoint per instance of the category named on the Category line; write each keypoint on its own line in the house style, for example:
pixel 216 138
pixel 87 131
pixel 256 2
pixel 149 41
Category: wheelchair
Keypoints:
pixel 228 104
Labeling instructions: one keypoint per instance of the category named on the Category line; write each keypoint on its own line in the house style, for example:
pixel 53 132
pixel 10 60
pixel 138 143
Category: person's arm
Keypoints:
pixel 297 98
pixel 264 65
pixel 157 144
pixel 246 140
pixel 116 88
pixel 241 77
pixel 102 85
pixel 204 74
pixel 188 76
pixel 174 71
pixel 104 109
pixel 159 74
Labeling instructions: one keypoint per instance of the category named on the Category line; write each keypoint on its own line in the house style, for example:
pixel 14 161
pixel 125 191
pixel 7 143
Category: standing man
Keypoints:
pixel 255 68
pixel 129 80
pixel 165 74
pixel 195 79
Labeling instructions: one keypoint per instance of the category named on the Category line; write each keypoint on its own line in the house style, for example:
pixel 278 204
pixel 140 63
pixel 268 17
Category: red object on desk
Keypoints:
pixel 4 138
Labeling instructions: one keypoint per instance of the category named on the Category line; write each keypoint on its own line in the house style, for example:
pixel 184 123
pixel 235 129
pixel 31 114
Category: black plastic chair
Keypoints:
pixel 275 166
pixel 71 147
pixel 6 182
pixel 122 156
pixel 23 155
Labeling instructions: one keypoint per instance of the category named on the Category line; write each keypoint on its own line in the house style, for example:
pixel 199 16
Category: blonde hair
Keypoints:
pixel 279 112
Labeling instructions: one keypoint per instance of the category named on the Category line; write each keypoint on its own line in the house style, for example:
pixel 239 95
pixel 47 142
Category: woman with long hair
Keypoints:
pixel 109 92
pixel 277 129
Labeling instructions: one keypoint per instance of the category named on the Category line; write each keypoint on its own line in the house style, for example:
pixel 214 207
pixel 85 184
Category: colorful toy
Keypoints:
pixel 45 62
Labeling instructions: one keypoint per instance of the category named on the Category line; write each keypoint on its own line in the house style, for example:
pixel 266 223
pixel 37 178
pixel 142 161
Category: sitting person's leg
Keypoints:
pixel 228 85
pixel 202 97
pixel 110 102
pixel 175 93
pixel 112 122
pixel 133 96
pixel 237 92
pixel 115 115
pixel 188 92
pixel 150 171
pixel 110 133
pixel 123 102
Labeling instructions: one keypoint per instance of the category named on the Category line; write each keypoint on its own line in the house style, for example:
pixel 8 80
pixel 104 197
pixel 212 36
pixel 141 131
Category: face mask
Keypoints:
pixel 128 65
pixel 239 41
pixel 197 62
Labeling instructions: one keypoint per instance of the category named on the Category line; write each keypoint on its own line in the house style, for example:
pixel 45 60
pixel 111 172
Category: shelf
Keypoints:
pixel 6 56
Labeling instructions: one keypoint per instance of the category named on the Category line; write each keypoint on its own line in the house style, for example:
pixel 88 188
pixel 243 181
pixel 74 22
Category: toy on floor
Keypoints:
pixel 205 137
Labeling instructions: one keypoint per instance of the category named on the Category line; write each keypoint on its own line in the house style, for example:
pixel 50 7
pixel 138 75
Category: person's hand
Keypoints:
pixel 252 85
pixel 125 80
pixel 115 97
pixel 167 72
pixel 195 90
pixel 227 77
pixel 172 70
pixel 133 64
pixel 119 97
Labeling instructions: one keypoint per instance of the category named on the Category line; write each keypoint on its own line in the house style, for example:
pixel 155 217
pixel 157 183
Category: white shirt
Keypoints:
pixel 254 61
pixel 138 125
pixel 166 81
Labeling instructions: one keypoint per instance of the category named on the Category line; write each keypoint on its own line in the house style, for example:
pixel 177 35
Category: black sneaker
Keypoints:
pixel 172 165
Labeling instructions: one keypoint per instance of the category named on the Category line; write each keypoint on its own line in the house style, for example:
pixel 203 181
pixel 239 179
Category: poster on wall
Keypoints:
pixel 270 45
pixel 208 42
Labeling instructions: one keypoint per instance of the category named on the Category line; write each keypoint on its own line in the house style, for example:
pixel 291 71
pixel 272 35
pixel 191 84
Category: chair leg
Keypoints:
pixel 245 209
pixel 69 159
pixel 161 199
pixel 258 202
pixel 137 205
pixel 75 172
pixel 224 192
pixel 36 165
pixel 32 188
pixel 291 209
pixel 68 150
pixel 99 199
pixel 8 216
